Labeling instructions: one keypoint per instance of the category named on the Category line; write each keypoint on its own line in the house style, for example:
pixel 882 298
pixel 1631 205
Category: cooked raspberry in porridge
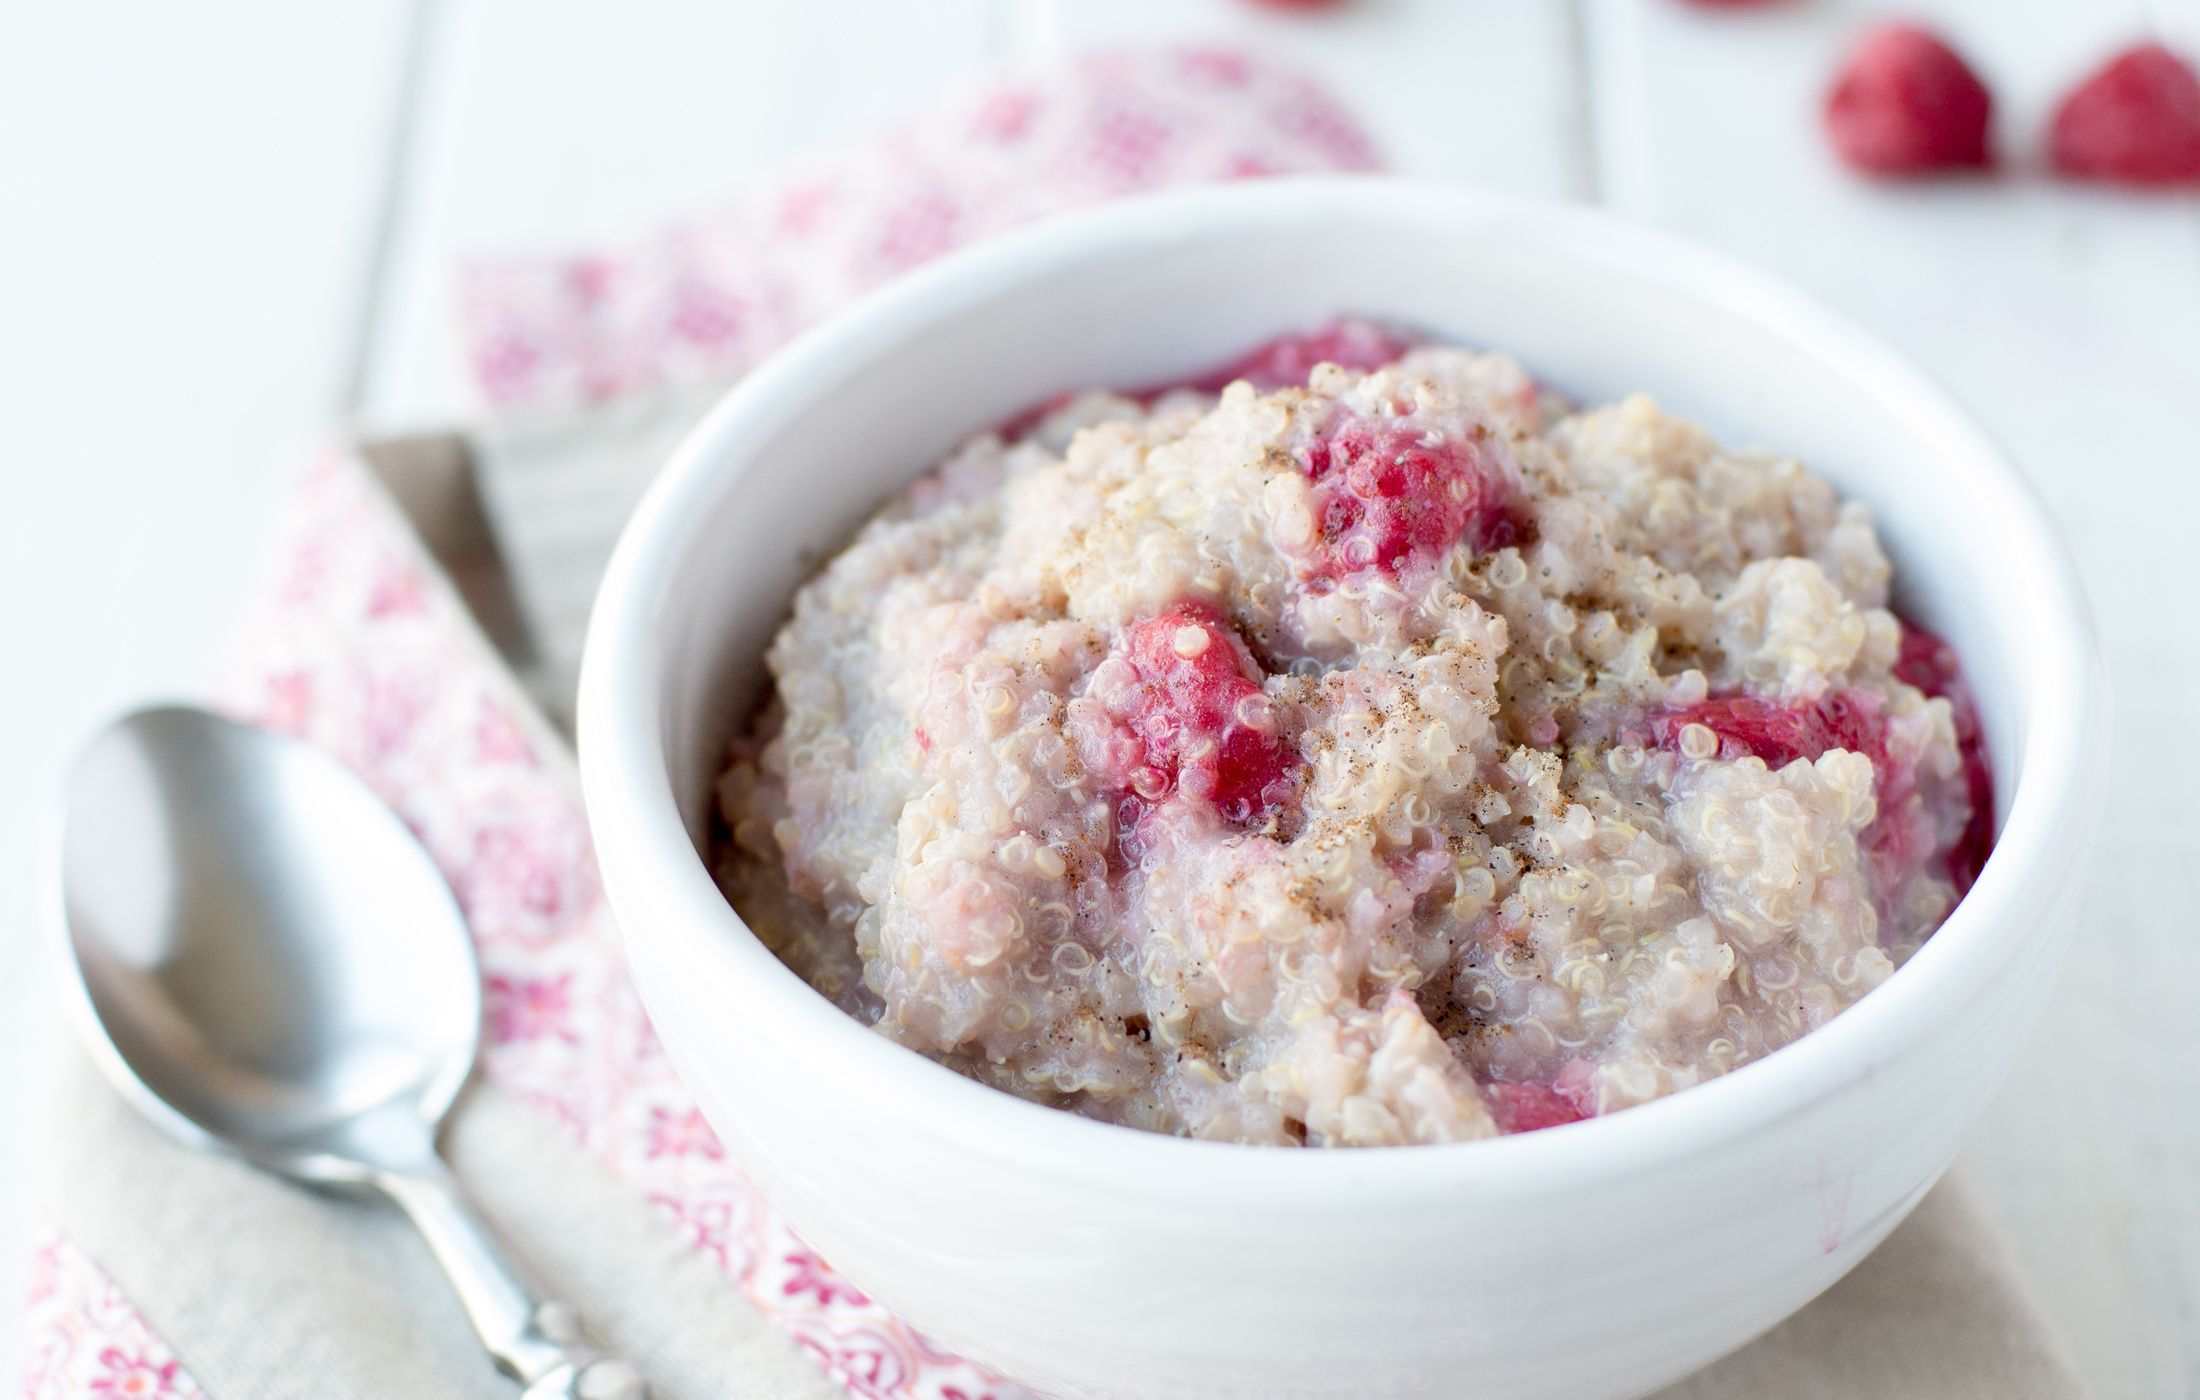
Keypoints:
pixel 1359 746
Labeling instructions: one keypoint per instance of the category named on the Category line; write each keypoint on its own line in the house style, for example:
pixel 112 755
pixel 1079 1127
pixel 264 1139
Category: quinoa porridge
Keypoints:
pixel 1361 746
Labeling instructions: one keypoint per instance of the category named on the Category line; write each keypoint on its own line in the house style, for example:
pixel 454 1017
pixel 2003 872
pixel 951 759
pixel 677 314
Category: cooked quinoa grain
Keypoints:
pixel 1360 747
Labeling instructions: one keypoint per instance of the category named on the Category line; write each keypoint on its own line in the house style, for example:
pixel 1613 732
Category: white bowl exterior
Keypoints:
pixel 1594 1260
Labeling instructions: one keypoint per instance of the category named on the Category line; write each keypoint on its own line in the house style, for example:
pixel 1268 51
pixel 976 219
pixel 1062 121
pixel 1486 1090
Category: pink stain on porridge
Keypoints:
pixel 1359 745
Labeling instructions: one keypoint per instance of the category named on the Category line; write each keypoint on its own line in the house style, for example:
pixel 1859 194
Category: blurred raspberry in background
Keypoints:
pixel 2136 121
pixel 1906 104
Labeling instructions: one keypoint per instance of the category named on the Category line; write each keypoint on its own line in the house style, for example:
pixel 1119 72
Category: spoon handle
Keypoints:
pixel 533 1339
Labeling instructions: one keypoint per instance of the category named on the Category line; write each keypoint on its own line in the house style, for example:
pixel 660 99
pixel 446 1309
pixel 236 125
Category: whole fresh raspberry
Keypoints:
pixel 2134 122
pixel 1905 104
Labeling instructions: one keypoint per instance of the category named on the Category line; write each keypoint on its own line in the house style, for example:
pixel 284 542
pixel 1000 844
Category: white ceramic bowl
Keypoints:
pixel 1600 1259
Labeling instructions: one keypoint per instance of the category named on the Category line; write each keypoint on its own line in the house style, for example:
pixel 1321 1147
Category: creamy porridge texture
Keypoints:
pixel 1361 746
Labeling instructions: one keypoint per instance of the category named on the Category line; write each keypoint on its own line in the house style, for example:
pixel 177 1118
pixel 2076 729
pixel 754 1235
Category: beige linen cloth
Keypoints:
pixel 268 1292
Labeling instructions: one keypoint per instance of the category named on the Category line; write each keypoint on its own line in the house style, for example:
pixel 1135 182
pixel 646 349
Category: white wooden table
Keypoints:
pixel 229 230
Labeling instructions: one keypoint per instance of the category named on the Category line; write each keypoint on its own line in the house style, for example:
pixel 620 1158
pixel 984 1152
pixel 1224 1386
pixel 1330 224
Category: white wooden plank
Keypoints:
pixel 2066 318
pixel 1484 92
pixel 191 195
pixel 555 123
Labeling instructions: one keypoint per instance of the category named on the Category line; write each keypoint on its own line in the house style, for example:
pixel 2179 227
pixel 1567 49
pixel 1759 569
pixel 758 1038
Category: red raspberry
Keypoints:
pixel 1925 661
pixel 1900 839
pixel 1751 726
pixel 1523 1108
pixel 1930 664
pixel 1905 104
pixel 1283 363
pixel 2135 122
pixel 1196 683
pixel 1288 360
pixel 1388 493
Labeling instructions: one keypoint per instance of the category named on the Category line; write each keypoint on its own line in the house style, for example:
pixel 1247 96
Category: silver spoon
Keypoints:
pixel 274 968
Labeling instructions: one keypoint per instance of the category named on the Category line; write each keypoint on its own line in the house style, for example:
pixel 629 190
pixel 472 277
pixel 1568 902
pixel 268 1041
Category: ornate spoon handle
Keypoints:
pixel 533 1339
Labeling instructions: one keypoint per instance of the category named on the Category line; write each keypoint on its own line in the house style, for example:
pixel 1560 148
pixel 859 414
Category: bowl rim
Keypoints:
pixel 644 844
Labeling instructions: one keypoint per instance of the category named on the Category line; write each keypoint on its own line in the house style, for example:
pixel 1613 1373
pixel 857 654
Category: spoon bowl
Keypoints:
pixel 270 965
pixel 285 975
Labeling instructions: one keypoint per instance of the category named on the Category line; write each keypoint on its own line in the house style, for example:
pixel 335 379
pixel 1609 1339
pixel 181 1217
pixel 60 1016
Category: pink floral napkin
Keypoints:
pixel 707 300
pixel 363 647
